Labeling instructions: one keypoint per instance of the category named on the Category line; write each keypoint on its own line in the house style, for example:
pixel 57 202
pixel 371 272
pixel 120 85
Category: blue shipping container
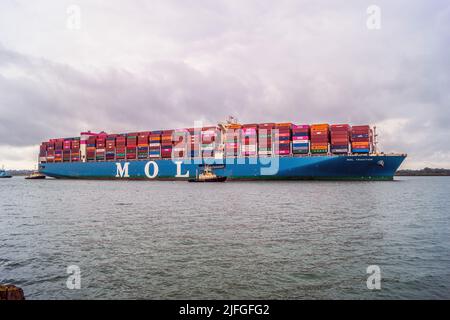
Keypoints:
pixel 360 135
pixel 300 144
pixel 300 134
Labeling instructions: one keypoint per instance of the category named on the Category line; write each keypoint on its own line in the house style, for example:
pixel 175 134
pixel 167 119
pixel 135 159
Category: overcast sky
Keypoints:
pixel 66 67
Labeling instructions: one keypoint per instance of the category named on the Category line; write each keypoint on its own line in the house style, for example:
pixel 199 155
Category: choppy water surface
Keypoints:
pixel 274 240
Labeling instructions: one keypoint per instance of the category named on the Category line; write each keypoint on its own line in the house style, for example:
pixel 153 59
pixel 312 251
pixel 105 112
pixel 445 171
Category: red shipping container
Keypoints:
pixel 340 140
pixel 345 127
pixel 362 128
pixel 360 139
pixel 321 139
pixel 283 125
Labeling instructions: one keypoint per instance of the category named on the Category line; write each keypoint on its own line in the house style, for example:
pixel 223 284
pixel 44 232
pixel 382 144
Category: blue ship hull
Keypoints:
pixel 354 167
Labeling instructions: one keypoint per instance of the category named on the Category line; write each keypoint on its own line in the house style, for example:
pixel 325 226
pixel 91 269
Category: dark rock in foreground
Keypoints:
pixel 11 292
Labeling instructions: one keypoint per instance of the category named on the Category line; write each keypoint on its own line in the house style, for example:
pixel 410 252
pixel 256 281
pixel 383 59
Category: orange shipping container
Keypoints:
pixel 360 143
pixel 319 147
pixel 321 126
pixel 320 132
pixel 283 125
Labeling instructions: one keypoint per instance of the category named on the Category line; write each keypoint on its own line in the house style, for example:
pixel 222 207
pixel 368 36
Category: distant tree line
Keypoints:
pixel 424 172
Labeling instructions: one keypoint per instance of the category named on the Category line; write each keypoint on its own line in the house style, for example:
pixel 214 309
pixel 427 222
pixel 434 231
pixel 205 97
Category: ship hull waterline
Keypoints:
pixel 354 167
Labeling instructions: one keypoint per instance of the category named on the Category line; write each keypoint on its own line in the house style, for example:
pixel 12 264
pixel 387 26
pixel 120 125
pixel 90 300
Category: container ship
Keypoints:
pixel 257 151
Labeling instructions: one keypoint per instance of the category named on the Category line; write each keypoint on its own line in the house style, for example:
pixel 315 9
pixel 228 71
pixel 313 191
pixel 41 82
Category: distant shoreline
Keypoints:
pixel 17 173
pixel 426 172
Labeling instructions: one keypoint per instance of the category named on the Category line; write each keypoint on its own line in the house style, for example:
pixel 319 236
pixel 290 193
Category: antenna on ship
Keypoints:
pixel 232 120
pixel 228 121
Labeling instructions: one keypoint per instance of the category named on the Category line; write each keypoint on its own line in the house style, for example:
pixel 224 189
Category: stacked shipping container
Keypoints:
pixel 240 140
pixel 300 139
pixel 110 147
pixel 154 146
pixel 59 150
pixel 75 150
pixel 166 144
pixel 282 138
pixel 142 145
pixel 43 152
pixel 100 151
pixel 50 151
pixel 90 148
pixel 131 146
pixel 249 140
pixel 67 143
pixel 209 136
pixel 340 138
pixel 265 139
pixel 232 139
pixel 361 139
pixel 180 143
pixel 195 139
pixel 121 147
pixel 319 138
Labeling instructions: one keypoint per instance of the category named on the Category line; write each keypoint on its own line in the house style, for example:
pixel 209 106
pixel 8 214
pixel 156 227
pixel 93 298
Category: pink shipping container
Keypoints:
pixel 287 134
pixel 300 126
pixel 248 130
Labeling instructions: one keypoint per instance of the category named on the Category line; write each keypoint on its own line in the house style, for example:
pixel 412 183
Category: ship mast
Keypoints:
pixel 375 140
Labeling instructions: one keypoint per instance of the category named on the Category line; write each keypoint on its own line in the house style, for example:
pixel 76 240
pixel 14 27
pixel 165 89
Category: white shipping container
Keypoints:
pixel 218 155
pixel 230 144
pixel 249 148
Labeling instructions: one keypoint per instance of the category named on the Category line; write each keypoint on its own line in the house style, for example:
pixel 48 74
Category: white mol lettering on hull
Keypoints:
pixel 155 169
pixel 179 174
pixel 122 171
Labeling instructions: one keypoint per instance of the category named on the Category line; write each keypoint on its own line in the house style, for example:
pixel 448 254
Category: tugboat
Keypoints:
pixel 208 176
pixel 35 175
pixel 4 174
